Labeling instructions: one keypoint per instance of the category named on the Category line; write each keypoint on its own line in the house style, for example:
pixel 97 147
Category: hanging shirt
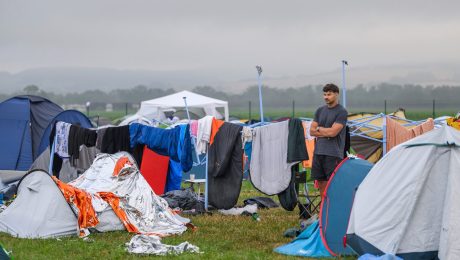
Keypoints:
pixel 62 139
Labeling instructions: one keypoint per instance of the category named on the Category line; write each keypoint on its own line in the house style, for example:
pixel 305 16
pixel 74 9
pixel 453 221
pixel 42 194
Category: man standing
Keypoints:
pixel 328 126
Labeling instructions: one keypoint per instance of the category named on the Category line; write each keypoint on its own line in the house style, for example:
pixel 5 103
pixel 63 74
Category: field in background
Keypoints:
pixel 413 114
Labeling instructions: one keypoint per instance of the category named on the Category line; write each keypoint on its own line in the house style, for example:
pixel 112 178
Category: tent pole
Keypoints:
pixel 186 109
pixel 384 132
pixel 206 183
pixel 259 79
pixel 50 167
pixel 344 88
pixel 190 121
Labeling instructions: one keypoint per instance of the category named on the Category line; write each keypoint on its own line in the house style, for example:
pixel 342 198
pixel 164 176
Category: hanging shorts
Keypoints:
pixel 323 166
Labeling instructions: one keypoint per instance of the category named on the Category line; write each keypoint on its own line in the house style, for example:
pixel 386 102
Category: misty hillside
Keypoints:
pixel 72 79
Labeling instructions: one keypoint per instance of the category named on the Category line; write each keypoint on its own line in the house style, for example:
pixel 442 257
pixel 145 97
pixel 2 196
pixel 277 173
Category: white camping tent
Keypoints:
pixel 154 108
pixel 408 203
pixel 39 210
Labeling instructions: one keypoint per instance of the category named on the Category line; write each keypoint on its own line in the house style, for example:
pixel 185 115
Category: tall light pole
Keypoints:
pixel 259 80
pixel 344 88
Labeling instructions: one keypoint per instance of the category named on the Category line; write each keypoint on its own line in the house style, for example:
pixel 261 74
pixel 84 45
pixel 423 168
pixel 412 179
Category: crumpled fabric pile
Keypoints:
pixel 151 244
pixel 114 182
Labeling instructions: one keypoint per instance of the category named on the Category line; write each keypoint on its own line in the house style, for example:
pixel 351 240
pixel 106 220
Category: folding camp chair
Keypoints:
pixel 313 199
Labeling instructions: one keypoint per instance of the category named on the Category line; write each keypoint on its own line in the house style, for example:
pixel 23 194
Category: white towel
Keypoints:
pixel 204 133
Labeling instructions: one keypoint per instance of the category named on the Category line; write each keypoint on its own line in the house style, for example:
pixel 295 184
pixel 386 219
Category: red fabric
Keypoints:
pixel 154 168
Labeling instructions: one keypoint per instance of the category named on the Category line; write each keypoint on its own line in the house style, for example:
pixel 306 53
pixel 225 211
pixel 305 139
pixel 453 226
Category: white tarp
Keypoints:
pixel 409 200
pixel 154 108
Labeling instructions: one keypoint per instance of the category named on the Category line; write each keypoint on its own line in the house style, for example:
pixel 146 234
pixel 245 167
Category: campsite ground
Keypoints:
pixel 218 236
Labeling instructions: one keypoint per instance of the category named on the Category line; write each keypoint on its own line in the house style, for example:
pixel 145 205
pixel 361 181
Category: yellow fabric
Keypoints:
pixel 453 122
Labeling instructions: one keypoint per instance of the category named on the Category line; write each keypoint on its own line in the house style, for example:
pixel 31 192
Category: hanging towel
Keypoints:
pixel 204 133
pixel 296 152
pixel 270 172
pixel 397 134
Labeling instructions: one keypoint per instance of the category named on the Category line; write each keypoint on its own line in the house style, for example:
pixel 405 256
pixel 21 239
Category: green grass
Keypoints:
pixel 218 236
pixel 414 114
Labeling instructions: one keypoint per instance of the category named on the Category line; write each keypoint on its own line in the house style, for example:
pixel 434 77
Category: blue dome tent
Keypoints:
pixel 25 124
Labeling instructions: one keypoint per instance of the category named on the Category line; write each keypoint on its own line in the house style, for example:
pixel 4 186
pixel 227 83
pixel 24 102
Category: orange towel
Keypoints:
pixel 310 143
pixel 397 134
pixel 216 124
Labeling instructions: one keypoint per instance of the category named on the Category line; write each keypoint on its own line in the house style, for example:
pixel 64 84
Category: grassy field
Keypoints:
pixel 277 113
pixel 218 237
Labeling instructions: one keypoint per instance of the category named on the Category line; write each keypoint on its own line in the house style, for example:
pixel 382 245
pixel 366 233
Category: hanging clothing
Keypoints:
pixel 77 137
pixel 175 169
pixel 62 138
pixel 100 137
pixel 296 142
pixel 194 128
pixel 203 133
pixel 164 142
pixel 246 135
pixel 397 134
pixel 270 172
pixel 117 139
pixel 310 143
pixel 225 167
pixel 297 152
pixel 215 126
pixel 80 136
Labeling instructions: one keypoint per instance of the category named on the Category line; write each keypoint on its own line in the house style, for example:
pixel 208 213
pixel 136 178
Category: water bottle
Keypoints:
pixel 255 216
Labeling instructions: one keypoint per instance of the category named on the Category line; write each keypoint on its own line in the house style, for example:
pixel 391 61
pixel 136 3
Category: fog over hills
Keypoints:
pixel 78 79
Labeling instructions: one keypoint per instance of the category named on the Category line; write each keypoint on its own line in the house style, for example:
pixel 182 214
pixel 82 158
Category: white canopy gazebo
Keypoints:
pixel 154 108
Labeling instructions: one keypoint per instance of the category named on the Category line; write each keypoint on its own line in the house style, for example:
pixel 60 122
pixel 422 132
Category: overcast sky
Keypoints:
pixel 286 37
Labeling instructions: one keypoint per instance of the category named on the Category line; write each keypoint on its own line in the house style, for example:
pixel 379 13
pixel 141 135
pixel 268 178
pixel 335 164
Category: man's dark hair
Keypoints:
pixel 331 87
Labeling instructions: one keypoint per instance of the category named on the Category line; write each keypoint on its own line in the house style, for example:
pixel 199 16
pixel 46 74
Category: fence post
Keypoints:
pixel 293 108
pixel 126 109
pixel 385 102
pixel 434 108
pixel 250 116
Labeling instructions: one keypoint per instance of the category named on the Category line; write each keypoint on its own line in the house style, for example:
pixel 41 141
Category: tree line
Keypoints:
pixel 307 97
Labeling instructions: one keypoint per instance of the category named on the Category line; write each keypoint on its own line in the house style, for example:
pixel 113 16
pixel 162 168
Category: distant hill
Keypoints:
pixel 74 79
